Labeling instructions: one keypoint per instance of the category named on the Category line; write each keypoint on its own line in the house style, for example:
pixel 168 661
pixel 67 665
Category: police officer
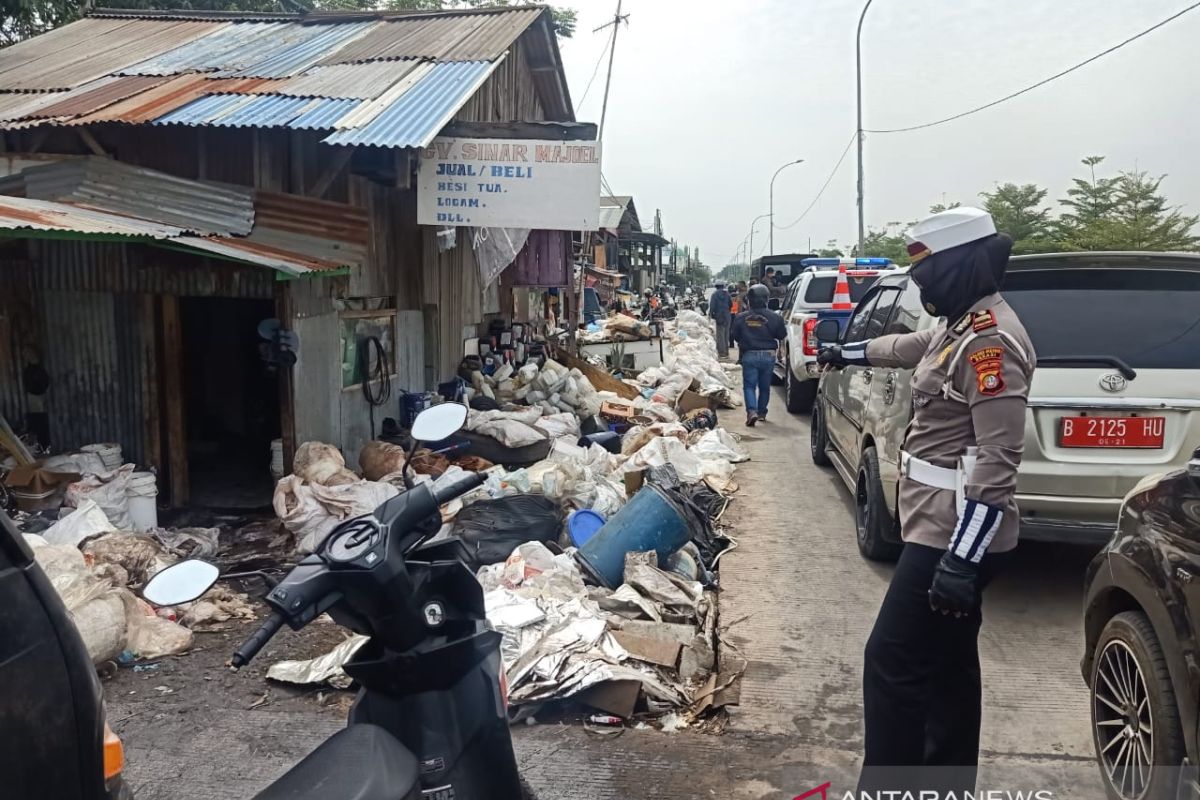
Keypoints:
pixel 921 681
pixel 757 332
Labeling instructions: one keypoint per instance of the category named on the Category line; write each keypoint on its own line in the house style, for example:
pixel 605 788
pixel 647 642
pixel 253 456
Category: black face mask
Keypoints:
pixel 954 280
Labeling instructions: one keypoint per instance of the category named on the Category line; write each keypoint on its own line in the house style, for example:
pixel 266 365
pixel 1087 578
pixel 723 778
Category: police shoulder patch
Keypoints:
pixel 988 363
pixel 983 320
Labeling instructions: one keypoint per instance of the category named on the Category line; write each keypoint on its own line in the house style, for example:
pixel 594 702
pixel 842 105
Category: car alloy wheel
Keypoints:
pixel 1124 720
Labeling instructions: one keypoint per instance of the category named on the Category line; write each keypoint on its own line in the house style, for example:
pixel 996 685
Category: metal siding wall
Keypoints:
pixel 454 302
pixel 317 378
pixel 18 337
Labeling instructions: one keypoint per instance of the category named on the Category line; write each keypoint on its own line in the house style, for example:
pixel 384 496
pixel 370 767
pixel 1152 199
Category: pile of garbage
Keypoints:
pixel 617 328
pixel 597 532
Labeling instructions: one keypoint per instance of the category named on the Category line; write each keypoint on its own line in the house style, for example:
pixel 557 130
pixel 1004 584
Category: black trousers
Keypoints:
pixel 922 695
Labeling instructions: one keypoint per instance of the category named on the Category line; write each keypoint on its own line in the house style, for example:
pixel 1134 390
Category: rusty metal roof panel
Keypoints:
pixel 153 103
pixel 451 37
pixel 333 232
pixel 22 213
pixel 95 96
pixel 70 61
pixel 419 113
pixel 201 207
pixel 362 81
pixel 290 262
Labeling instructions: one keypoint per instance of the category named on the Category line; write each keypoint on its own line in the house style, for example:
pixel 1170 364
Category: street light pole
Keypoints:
pixel 862 233
pixel 771 246
pixel 750 260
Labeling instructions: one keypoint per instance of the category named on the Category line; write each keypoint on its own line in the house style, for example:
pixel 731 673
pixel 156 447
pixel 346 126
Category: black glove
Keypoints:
pixel 832 357
pixel 955 588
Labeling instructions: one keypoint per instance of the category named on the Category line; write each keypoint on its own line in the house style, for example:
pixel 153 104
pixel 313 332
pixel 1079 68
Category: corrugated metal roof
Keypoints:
pixel 260 111
pixel 364 81
pixel 151 103
pixel 315 44
pixel 92 48
pixel 461 37
pixel 610 217
pixel 333 232
pixel 21 213
pixel 370 109
pixel 201 207
pixel 96 95
pixel 291 262
pixel 16 105
pixel 415 118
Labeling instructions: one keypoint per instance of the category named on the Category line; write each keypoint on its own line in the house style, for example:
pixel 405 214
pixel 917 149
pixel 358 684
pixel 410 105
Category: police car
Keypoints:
pixel 809 293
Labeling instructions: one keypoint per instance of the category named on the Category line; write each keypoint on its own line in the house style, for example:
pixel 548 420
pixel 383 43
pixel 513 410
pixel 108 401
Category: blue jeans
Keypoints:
pixel 757 368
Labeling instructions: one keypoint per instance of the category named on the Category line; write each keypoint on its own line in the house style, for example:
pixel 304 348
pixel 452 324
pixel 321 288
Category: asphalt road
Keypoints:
pixel 797 601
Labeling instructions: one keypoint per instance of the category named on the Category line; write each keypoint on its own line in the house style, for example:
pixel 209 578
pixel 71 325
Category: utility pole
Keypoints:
pixel 771 246
pixel 862 233
pixel 616 23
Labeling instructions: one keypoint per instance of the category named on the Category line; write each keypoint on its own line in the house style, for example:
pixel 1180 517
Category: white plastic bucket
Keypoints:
pixel 143 503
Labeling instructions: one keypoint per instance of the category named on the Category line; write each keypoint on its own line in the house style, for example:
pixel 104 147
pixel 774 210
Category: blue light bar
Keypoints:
pixel 871 262
pixel 820 262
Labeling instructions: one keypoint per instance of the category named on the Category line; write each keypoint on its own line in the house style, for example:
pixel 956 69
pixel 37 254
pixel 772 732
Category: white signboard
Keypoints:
pixel 510 183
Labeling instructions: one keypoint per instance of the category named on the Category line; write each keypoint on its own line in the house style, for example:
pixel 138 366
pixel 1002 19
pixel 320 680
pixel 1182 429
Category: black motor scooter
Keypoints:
pixel 430 720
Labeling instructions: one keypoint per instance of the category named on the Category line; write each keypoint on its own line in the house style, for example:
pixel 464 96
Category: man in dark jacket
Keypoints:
pixel 757 332
pixel 720 305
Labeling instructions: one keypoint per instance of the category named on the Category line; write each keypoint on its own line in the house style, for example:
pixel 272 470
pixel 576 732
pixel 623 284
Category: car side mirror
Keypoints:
pixel 774 304
pixel 827 331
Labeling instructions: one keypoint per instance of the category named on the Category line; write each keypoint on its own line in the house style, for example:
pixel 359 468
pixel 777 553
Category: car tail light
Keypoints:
pixel 810 338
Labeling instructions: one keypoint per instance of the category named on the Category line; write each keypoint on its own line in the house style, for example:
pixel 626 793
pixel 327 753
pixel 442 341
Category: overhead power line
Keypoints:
pixel 824 186
pixel 1043 82
pixel 596 69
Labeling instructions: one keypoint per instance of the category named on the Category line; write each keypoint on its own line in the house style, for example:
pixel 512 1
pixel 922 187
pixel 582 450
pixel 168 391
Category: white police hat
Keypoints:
pixel 948 229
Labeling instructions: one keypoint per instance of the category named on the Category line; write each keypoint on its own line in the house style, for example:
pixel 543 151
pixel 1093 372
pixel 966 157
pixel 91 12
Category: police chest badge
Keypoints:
pixel 988 363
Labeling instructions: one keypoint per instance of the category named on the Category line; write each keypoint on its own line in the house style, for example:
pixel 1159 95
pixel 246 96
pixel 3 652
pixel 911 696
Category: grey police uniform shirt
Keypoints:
pixel 969 388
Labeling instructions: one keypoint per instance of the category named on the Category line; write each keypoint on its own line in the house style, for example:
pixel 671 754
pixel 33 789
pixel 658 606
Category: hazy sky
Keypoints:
pixel 708 98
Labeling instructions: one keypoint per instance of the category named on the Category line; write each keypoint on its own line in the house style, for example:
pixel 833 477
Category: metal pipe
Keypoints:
pixel 771 246
pixel 862 233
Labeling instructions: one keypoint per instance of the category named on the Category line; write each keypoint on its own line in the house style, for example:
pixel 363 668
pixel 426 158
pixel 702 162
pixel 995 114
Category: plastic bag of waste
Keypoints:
pixel 94 604
pixel 148 635
pixel 720 443
pixel 109 490
pixel 87 520
pixel 317 462
pixel 492 528
pixel 560 426
pixel 141 556
pixel 311 511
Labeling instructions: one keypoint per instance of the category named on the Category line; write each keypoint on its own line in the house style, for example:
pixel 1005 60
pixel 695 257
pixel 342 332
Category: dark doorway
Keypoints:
pixel 231 402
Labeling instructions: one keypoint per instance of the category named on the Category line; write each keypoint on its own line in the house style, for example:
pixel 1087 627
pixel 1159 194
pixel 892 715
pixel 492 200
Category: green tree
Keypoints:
pixel 938 208
pixel 887 242
pixel 1018 211
pixel 1124 212
pixel 831 250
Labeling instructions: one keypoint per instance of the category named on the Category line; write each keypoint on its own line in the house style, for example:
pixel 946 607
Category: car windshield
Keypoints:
pixel 820 290
pixel 1145 316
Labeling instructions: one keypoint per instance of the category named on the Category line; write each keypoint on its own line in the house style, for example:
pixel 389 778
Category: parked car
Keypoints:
pixel 1142 642
pixel 1116 395
pixel 809 293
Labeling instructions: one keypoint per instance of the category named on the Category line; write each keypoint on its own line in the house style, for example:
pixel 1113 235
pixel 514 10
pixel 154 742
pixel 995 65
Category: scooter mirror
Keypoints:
pixel 438 422
pixel 181 583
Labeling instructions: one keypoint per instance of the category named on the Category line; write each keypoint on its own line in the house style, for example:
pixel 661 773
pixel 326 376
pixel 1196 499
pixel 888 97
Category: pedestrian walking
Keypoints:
pixel 757 331
pixel 720 306
pixel 922 692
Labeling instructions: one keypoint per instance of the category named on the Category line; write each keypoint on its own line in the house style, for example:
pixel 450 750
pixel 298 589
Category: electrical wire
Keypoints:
pixel 380 373
pixel 1040 83
pixel 824 186
pixel 596 69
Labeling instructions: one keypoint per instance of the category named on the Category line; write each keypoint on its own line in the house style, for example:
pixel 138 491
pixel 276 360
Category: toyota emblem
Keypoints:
pixel 1113 382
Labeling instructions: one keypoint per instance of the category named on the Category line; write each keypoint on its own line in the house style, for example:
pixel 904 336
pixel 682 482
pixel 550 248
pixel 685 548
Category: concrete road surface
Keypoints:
pixel 797 601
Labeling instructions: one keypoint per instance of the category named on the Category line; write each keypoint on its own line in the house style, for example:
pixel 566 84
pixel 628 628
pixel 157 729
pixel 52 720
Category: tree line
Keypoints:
pixel 1122 211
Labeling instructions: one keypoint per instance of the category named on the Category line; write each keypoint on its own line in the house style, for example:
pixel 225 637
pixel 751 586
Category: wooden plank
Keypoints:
pixel 517 129
pixel 91 142
pixel 148 355
pixel 172 338
pixel 339 162
pixel 603 381
pixel 284 311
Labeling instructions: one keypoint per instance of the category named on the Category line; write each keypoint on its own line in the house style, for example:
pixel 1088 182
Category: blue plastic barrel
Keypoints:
pixel 647 522
pixel 583 524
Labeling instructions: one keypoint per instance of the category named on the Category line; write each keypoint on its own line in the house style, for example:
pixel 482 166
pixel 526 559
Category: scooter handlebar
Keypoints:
pixel 250 647
pixel 445 494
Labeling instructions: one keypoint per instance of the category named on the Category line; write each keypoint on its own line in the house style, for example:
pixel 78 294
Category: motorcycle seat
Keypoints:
pixel 359 762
